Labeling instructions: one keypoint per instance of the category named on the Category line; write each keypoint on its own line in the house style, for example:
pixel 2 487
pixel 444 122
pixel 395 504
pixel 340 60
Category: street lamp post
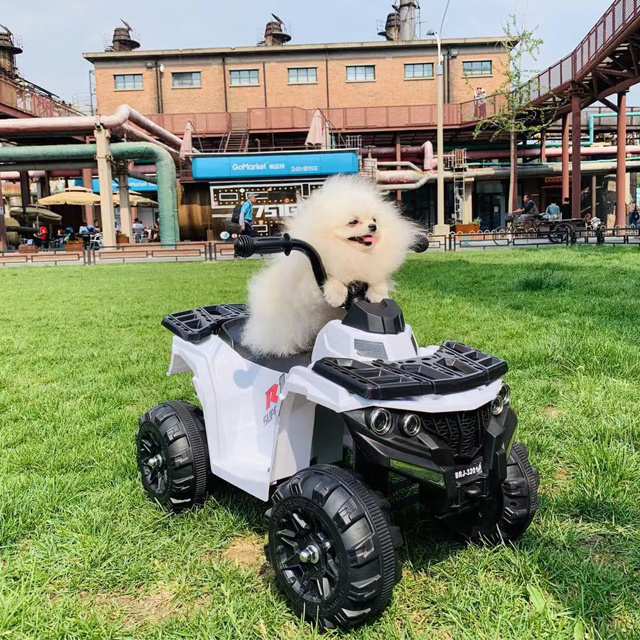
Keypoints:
pixel 440 227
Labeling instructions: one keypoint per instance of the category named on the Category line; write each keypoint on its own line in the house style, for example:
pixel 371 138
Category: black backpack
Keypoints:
pixel 235 216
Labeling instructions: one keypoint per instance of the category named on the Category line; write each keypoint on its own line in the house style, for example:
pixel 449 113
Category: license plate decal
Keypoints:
pixel 474 470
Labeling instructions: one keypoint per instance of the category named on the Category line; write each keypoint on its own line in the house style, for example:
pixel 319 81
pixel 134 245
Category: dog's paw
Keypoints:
pixel 335 293
pixel 377 293
pixel 374 296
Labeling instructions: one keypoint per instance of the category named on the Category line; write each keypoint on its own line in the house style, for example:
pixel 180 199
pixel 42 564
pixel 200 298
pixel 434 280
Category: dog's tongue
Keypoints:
pixel 370 239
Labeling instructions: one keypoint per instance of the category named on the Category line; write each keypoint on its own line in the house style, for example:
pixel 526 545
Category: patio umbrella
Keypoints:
pixel 72 195
pixel 317 137
pixel 135 200
pixel 40 213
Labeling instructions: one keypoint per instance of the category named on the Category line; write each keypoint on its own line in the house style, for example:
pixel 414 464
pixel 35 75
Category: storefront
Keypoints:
pixel 279 181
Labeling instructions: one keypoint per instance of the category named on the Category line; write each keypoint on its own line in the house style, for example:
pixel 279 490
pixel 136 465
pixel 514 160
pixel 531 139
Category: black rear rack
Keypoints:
pixel 453 368
pixel 195 325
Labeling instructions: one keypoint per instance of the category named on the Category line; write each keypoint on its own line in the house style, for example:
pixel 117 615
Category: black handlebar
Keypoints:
pixel 357 291
pixel 246 246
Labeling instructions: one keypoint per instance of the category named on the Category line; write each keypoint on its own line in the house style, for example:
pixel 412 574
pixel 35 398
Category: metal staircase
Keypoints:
pixel 237 140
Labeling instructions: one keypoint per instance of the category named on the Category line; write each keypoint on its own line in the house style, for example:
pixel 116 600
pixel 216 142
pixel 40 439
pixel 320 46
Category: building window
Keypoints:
pixel 477 68
pixel 186 79
pixel 303 75
pixel 128 81
pixel 361 73
pixel 244 78
pixel 422 70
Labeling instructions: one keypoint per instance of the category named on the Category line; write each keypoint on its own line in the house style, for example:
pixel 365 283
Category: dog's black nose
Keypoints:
pixel 373 227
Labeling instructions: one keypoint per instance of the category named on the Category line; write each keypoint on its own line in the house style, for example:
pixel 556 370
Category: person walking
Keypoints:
pixel 246 217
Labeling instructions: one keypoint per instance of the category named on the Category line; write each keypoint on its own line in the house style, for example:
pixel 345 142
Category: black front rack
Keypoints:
pixel 195 325
pixel 453 368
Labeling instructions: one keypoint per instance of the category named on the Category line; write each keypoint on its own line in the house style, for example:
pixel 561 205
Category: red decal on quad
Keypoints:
pixel 272 395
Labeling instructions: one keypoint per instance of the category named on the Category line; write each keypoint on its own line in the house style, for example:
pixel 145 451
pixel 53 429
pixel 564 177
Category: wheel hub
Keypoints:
pixel 152 463
pixel 155 462
pixel 306 556
pixel 310 554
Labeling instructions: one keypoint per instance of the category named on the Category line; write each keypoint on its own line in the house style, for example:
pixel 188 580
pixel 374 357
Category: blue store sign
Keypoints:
pixel 135 184
pixel 275 165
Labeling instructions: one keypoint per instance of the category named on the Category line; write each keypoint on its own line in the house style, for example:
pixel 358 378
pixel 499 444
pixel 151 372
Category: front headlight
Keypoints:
pixel 380 421
pixel 505 394
pixel 410 425
pixel 497 406
pixel 501 400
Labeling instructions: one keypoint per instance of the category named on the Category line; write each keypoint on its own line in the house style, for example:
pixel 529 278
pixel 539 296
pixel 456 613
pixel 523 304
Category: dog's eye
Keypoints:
pixel 353 223
pixel 373 220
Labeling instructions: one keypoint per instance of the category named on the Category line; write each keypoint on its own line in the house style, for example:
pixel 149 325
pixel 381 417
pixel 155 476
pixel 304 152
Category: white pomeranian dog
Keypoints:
pixel 360 237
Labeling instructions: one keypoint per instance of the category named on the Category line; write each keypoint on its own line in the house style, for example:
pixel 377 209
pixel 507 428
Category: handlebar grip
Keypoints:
pixel 246 246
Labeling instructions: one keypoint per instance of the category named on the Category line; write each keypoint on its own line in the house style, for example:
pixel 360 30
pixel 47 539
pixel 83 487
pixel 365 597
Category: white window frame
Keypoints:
pixel 135 76
pixel 426 65
pixel 186 73
pixel 366 68
pixel 477 74
pixel 237 73
pixel 297 71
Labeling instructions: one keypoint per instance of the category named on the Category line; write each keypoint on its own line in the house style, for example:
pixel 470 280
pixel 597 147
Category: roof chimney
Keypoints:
pixel 392 28
pixel 124 38
pixel 401 24
pixel 275 33
pixel 10 47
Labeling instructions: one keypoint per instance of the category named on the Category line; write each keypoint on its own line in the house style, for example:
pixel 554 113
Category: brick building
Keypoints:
pixel 205 85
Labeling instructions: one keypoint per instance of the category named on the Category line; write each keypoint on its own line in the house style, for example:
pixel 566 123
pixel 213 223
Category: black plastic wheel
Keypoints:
pixel 172 455
pixel 559 234
pixel 332 547
pixel 509 516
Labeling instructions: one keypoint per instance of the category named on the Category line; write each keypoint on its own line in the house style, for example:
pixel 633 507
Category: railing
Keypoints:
pixel 32 100
pixel 204 123
pixel 343 119
pixel 215 251
pixel 618 17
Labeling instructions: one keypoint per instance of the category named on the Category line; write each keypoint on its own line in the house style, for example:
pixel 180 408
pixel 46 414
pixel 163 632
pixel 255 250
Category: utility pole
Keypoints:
pixel 440 227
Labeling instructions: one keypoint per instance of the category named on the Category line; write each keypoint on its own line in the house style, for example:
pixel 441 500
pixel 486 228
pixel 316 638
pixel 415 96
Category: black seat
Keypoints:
pixel 231 333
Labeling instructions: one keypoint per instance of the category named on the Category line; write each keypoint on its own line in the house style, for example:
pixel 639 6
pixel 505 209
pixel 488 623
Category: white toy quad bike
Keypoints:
pixel 277 427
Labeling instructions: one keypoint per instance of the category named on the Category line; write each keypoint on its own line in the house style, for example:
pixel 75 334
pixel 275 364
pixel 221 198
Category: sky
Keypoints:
pixel 55 34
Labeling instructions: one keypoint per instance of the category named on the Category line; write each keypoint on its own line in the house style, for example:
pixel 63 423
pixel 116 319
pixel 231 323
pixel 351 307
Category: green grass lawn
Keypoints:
pixel 83 554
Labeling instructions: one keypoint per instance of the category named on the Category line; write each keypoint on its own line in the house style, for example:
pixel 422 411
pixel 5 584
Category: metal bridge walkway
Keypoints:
pixel 607 61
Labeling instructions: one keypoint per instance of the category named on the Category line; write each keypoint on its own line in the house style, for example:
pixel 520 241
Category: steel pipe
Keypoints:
pixel 425 150
pixel 386 178
pixel 165 170
pixel 554 152
pixel 87 124
pixel 131 133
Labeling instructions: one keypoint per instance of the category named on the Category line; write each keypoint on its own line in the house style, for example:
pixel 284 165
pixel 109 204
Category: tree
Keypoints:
pixel 515 115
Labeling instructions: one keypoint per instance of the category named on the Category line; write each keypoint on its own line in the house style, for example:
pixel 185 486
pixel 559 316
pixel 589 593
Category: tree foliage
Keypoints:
pixel 514 112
